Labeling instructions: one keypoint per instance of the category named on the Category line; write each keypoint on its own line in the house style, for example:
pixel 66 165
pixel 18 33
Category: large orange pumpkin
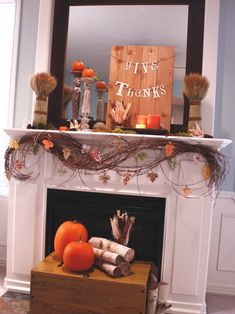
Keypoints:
pixel 67 232
pixel 78 256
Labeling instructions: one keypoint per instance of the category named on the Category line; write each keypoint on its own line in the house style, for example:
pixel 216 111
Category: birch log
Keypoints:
pixel 163 290
pixel 125 268
pixel 105 244
pixel 110 269
pixel 152 296
pixel 108 256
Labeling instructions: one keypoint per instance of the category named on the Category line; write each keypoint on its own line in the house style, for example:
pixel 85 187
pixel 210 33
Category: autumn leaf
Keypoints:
pixel 169 149
pixel 35 149
pixel 186 191
pixel 152 176
pixel 141 156
pixel 95 154
pixel 47 144
pixel 206 171
pixel 104 178
pixel 13 144
pixel 66 153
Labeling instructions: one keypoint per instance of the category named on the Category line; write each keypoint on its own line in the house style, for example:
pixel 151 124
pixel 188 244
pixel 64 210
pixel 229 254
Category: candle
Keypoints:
pixel 153 121
pixel 63 128
pixel 141 119
pixel 140 126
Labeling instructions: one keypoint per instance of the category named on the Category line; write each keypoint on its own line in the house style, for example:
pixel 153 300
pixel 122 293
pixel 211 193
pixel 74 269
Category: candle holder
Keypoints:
pixel 99 110
pixel 86 103
pixel 76 93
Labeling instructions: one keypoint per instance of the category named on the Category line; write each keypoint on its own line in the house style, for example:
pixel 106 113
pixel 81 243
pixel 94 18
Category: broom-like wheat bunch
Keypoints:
pixel 42 84
pixel 195 89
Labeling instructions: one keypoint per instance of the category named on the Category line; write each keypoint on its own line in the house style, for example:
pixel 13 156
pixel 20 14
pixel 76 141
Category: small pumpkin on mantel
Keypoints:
pixel 68 231
pixel 88 72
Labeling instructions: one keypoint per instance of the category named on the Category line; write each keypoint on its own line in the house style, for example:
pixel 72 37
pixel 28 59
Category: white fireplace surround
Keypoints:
pixel 187 224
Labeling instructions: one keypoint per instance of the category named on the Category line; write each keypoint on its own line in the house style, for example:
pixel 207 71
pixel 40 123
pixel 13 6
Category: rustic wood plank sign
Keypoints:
pixel 141 76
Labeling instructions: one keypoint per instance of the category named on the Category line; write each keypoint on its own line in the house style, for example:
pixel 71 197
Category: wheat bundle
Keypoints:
pixel 42 84
pixel 195 89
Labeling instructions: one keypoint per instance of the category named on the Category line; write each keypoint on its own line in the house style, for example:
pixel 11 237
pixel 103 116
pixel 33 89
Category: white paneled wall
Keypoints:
pixel 221 274
pixel 3 229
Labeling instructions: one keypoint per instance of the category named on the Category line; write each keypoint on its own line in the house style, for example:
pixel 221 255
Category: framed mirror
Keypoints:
pixel 60 42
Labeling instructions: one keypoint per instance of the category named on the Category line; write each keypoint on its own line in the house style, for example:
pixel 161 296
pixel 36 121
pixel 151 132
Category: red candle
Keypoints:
pixel 140 126
pixel 141 119
pixel 153 121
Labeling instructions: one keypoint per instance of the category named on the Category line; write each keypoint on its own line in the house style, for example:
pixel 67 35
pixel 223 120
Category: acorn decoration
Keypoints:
pixel 42 84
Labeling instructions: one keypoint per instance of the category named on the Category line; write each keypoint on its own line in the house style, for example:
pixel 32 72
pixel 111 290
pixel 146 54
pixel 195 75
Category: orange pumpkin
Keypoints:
pixel 78 65
pixel 101 85
pixel 67 232
pixel 88 72
pixel 78 256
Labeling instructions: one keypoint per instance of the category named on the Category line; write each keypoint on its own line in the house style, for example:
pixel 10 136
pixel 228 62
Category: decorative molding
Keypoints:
pixel 220 289
pixel 225 243
pixel 17 285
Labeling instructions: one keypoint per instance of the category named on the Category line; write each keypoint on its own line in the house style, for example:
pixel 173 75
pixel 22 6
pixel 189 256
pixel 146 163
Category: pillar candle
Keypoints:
pixel 140 119
pixel 153 121
pixel 140 126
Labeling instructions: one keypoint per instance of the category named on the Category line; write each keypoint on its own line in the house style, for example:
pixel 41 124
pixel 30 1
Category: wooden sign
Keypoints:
pixel 141 76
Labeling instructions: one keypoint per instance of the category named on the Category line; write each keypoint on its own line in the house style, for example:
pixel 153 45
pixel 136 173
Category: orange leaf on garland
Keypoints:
pixel 206 171
pixel 47 144
pixel 169 149
pixel 186 191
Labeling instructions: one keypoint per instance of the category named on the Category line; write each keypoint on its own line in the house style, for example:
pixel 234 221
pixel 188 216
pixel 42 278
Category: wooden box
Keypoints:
pixel 57 290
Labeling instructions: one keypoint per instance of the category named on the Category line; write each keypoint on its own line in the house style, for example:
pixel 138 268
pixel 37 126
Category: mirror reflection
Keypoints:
pixel 93 30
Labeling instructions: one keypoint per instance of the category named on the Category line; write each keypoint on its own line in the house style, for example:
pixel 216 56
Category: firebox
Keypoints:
pixel 94 210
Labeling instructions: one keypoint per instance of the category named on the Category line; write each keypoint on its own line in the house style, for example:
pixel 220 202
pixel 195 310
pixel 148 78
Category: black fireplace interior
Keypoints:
pixel 94 211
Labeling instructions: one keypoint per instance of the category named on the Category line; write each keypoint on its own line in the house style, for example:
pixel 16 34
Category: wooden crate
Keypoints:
pixel 57 290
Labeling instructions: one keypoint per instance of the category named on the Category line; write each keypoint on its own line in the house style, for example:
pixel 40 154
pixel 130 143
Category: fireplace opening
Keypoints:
pixel 94 211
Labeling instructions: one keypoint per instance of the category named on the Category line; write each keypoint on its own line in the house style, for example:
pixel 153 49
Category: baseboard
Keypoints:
pixel 221 289
pixel 185 308
pixel 17 285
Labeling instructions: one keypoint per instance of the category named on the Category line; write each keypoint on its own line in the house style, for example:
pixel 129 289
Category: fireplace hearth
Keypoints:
pixel 94 211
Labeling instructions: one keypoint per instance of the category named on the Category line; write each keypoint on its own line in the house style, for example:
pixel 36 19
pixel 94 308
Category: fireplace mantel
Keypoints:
pixel 86 135
pixel 187 225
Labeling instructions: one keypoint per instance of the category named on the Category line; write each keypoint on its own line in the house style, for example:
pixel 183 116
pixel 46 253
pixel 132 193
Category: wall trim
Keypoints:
pixel 227 194
pixel 221 289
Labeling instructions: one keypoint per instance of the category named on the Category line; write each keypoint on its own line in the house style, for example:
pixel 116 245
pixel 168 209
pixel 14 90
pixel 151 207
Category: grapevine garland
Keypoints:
pixel 111 154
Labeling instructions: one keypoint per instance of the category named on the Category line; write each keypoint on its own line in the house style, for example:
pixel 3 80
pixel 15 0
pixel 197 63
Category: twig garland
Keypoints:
pixel 111 154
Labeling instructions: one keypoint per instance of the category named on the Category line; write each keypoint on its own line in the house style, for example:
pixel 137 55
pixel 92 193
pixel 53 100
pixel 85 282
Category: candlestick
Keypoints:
pixel 86 104
pixel 76 93
pixel 99 111
pixel 153 121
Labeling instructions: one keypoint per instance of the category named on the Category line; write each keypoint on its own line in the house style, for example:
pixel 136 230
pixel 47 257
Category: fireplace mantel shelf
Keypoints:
pixel 87 135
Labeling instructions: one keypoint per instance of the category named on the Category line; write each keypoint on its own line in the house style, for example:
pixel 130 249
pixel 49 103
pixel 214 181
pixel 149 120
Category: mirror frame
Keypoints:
pixel 194 54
